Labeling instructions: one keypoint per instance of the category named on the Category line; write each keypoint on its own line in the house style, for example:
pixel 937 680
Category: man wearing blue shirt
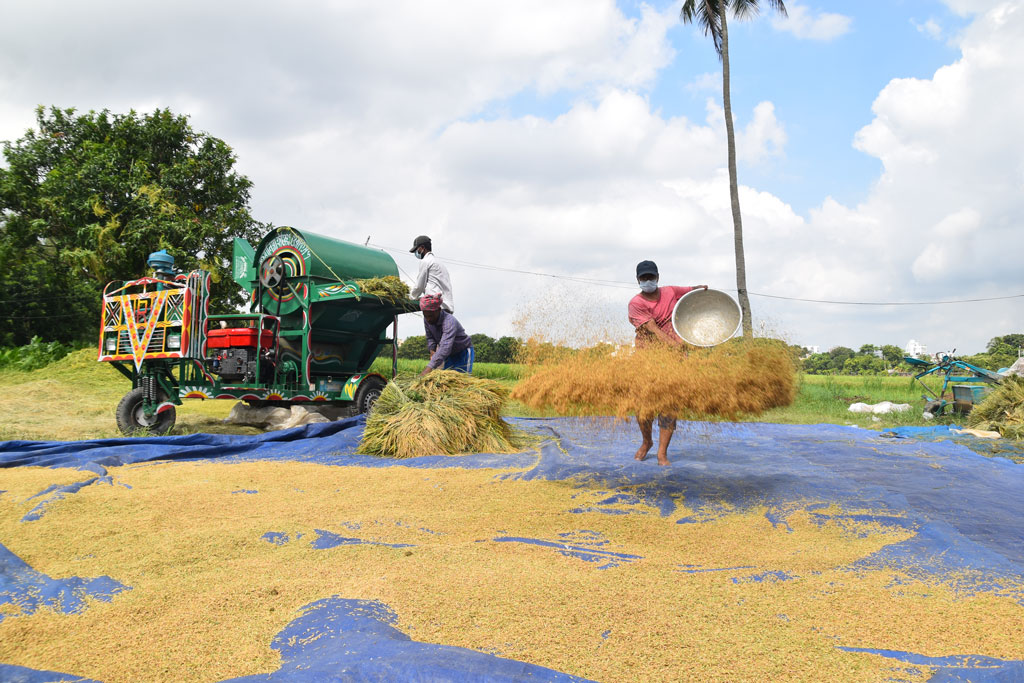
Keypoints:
pixel 449 345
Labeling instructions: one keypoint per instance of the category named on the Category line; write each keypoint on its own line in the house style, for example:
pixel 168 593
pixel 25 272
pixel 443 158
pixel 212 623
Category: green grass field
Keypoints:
pixel 75 398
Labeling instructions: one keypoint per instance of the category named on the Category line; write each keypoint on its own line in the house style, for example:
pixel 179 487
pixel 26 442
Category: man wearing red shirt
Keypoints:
pixel 650 311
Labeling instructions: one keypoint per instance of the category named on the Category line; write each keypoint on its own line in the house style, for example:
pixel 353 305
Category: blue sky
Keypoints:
pixel 879 145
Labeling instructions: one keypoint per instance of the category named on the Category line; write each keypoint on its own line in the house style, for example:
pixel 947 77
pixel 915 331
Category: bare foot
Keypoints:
pixel 663 459
pixel 641 453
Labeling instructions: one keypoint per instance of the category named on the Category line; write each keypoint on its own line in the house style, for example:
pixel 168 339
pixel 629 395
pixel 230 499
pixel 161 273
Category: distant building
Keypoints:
pixel 811 350
pixel 915 348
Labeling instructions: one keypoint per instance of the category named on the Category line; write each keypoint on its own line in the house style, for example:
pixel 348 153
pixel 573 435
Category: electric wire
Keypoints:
pixel 890 303
pixel 583 280
pixel 628 285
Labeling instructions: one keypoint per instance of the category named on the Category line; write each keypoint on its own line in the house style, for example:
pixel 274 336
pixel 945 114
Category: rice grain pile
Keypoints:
pixel 390 288
pixel 1002 410
pixel 444 412
pixel 741 377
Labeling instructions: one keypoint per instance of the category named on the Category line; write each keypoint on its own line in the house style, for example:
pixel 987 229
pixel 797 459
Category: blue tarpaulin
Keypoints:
pixel 965 509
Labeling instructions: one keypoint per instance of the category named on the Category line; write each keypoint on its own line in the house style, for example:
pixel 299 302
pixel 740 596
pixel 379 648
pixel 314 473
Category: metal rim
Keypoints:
pixel 739 321
pixel 142 420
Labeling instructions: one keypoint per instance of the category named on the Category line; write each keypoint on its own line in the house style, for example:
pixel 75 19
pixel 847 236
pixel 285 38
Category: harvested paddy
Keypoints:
pixel 742 377
pixel 221 557
pixel 443 412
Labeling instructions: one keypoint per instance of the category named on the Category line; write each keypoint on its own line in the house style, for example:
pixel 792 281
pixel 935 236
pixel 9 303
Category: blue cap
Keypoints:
pixel 161 260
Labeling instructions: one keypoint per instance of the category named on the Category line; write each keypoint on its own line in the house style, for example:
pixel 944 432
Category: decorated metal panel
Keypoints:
pixel 146 319
pixel 322 257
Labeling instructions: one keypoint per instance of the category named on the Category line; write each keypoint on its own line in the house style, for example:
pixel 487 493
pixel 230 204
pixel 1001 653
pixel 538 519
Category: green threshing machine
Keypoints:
pixel 310 334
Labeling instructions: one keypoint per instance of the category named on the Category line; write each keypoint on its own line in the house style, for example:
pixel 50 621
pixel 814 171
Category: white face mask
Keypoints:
pixel 648 286
pixel 419 254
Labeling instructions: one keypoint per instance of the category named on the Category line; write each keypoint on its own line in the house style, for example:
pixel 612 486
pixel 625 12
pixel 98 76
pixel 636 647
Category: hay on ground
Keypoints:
pixel 444 412
pixel 1002 410
pixel 742 377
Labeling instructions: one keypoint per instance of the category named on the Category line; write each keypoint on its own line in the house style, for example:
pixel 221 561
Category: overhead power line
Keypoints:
pixel 632 285
pixel 889 303
pixel 618 284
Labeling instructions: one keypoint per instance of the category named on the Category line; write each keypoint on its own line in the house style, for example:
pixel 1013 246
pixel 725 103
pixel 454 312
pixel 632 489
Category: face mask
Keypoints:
pixel 648 286
pixel 419 254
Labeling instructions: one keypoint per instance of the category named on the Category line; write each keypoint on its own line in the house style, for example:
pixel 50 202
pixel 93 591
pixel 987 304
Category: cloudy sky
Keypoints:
pixel 546 147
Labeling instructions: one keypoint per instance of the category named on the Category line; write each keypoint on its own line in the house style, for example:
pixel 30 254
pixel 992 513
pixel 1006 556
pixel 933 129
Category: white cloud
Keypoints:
pixel 946 218
pixel 762 138
pixel 930 28
pixel 953 243
pixel 357 120
pixel 805 24
pixel 706 81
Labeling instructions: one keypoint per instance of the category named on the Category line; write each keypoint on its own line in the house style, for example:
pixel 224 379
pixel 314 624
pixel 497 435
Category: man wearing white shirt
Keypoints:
pixel 433 277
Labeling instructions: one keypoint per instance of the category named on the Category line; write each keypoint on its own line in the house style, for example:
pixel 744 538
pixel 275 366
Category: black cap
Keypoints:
pixel 646 268
pixel 419 242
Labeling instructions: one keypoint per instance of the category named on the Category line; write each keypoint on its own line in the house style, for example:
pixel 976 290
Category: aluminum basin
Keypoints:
pixel 706 317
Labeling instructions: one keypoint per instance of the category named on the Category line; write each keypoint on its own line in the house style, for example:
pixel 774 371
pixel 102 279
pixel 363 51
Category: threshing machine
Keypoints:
pixel 310 334
pixel 969 382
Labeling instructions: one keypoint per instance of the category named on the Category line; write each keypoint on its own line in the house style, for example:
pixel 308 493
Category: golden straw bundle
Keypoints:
pixel 444 412
pixel 736 378
pixel 1002 410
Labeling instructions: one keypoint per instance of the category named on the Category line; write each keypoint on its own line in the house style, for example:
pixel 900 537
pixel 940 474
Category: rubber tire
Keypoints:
pixel 368 393
pixel 933 407
pixel 129 411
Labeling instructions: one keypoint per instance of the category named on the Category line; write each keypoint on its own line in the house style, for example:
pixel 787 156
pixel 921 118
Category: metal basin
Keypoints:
pixel 706 317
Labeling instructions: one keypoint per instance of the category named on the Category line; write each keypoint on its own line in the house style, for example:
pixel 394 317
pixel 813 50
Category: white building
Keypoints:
pixel 915 348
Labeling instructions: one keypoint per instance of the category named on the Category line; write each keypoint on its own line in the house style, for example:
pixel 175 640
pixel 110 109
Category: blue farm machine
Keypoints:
pixel 310 333
pixel 967 383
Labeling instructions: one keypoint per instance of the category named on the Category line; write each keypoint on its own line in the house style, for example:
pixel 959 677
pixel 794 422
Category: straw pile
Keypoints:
pixel 741 377
pixel 390 288
pixel 444 412
pixel 1002 410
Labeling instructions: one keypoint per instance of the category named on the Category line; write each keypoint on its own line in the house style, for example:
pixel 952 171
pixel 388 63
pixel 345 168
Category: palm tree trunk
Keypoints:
pixel 734 188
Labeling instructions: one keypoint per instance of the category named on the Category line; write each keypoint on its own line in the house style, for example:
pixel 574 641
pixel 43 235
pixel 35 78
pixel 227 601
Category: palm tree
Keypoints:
pixel 710 15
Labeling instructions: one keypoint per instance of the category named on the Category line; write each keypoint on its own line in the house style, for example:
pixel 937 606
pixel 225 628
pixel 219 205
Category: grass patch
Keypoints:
pixel 827 399
pixel 75 398
pixel 406 366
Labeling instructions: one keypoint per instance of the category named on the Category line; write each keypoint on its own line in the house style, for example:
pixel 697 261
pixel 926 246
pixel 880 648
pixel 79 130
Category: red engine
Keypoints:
pixel 231 353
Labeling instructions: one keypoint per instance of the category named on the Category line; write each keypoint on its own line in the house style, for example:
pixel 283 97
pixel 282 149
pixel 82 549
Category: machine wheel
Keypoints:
pixel 273 272
pixel 131 419
pixel 933 407
pixel 368 393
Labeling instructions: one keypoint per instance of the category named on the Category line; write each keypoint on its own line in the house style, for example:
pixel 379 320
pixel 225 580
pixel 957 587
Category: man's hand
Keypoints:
pixel 426 371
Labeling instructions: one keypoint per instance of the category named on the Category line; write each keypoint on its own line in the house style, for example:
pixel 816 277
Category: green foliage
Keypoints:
pixel 508 350
pixel 863 365
pixel 845 361
pixel 1014 341
pixel 86 197
pixel 414 348
pixel 1002 352
pixel 485 349
pixel 893 355
pixel 34 355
